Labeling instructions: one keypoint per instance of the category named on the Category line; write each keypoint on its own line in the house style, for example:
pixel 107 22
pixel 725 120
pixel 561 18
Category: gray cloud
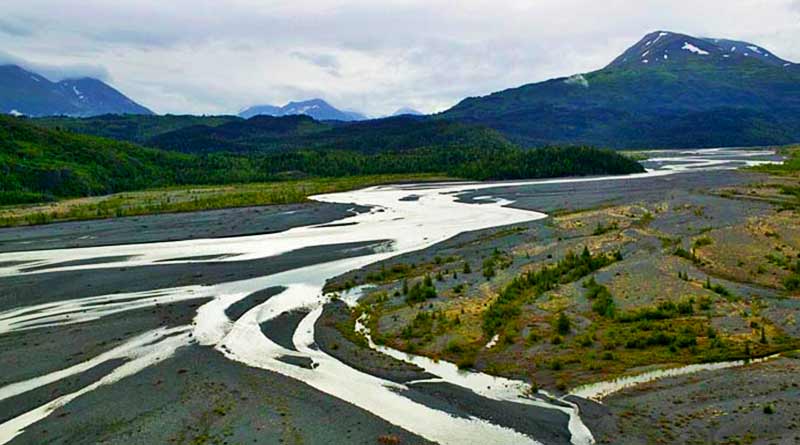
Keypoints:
pixel 214 56
pixel 56 73
pixel 15 27
pixel 327 62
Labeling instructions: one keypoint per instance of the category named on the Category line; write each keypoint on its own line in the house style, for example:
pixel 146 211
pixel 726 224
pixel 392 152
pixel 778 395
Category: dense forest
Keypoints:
pixel 206 134
pixel 40 164
pixel 130 127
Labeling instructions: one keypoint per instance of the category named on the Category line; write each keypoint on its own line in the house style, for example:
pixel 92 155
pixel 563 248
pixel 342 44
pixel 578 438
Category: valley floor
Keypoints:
pixel 707 273
pixel 689 268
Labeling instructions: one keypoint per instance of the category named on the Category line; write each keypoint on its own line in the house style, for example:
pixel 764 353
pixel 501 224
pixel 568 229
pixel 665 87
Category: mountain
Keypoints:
pixel 665 48
pixel 669 90
pixel 137 128
pixel 316 108
pixel 407 110
pixel 23 92
pixel 269 134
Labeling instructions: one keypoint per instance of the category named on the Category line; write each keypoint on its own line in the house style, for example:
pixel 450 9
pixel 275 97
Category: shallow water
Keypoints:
pixel 432 215
pixel 600 390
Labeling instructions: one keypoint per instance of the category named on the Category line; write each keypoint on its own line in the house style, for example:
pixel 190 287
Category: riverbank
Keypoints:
pixel 188 199
pixel 753 404
pixel 224 223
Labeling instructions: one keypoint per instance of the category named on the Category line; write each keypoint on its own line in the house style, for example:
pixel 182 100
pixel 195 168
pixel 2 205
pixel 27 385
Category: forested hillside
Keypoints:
pixel 266 133
pixel 39 164
pixel 129 127
pixel 668 91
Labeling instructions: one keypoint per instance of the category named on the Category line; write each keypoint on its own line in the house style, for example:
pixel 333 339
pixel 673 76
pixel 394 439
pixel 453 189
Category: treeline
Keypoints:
pixel 468 163
pixel 38 164
pixel 137 128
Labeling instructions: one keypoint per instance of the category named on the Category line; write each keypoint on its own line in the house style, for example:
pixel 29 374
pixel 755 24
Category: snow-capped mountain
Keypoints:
pixel 664 47
pixel 669 90
pixel 23 92
pixel 316 108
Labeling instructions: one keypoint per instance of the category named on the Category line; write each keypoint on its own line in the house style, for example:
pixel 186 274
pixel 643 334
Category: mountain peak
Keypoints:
pixel 407 110
pixel 317 108
pixel 666 48
pixel 25 92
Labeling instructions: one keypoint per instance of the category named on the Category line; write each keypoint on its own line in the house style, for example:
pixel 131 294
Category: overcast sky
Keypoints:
pixel 219 56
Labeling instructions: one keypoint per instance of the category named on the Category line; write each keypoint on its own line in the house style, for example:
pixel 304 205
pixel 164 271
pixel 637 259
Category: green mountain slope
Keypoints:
pixel 265 133
pixel 667 91
pixel 132 128
pixel 39 164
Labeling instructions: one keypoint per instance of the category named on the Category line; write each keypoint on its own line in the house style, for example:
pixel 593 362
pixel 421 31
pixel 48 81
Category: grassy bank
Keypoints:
pixel 192 198
pixel 790 167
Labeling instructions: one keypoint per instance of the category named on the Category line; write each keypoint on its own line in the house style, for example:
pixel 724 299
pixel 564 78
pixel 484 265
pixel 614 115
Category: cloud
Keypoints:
pixel 328 62
pixel 218 56
pixel 56 73
pixel 15 28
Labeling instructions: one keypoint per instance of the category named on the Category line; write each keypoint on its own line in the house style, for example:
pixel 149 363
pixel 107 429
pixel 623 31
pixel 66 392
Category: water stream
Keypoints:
pixel 433 216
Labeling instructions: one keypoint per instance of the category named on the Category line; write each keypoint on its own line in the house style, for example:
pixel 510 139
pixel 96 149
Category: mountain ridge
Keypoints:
pixel 317 108
pixel 24 92
pixel 740 99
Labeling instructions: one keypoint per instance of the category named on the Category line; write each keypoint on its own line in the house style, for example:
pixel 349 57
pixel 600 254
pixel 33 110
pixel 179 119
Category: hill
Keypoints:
pixel 316 108
pixel 40 164
pixel 128 127
pixel 669 90
pixel 265 133
pixel 23 92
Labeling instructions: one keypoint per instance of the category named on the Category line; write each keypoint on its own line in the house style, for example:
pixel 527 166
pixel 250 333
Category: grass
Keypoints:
pixel 791 165
pixel 192 199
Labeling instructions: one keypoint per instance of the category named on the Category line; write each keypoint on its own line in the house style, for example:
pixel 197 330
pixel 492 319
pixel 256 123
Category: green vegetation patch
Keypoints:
pixel 507 306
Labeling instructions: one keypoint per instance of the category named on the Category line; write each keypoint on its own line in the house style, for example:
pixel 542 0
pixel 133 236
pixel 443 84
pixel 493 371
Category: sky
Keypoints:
pixel 373 56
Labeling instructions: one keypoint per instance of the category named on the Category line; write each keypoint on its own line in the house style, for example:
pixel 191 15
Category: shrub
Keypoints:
pixel 686 340
pixel 465 362
pixel 563 325
pixel 792 283
pixel 572 268
pixel 686 306
pixel 704 241
pixel 420 292
pixel 683 253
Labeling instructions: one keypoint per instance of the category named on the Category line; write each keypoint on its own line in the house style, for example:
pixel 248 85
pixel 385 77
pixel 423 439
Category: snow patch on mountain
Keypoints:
pixel 78 93
pixel 691 48
pixel 660 35
pixel 302 110
pixel 755 49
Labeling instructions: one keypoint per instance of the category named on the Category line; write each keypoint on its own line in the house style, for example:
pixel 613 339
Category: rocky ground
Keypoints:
pixel 171 226
pixel 704 275
pixel 755 404
pixel 200 397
